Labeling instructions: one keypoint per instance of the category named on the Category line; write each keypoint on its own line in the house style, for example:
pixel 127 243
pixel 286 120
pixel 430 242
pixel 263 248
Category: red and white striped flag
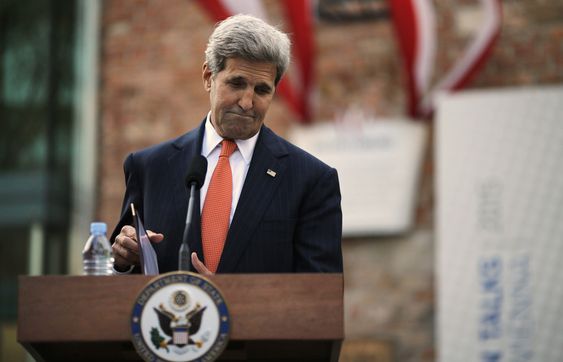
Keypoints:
pixel 415 25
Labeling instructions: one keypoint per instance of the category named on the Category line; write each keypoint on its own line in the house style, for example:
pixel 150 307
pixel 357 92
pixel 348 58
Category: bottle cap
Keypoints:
pixel 98 228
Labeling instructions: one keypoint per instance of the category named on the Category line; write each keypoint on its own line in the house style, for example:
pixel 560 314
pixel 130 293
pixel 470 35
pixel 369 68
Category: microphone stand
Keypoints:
pixel 184 261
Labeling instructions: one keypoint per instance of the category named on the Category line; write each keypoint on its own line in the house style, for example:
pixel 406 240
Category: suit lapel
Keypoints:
pixel 187 147
pixel 258 189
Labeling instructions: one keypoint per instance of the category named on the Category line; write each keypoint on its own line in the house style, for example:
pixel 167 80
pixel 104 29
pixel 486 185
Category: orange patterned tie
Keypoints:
pixel 217 208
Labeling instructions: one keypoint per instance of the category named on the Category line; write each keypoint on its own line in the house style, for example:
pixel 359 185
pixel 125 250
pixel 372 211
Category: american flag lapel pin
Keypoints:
pixel 271 172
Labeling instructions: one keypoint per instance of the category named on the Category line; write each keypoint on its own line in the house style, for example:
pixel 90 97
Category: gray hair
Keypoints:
pixel 249 38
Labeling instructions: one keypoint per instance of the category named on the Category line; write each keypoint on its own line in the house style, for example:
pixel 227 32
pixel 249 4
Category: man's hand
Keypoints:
pixel 199 266
pixel 126 248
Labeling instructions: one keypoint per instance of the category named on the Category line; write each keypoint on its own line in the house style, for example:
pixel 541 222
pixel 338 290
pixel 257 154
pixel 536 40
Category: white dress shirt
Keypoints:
pixel 239 160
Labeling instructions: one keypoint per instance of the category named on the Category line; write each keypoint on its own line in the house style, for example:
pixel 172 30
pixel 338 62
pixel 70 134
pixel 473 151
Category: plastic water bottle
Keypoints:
pixel 97 257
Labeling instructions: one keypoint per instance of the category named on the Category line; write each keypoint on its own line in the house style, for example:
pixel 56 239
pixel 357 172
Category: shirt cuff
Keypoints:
pixel 117 272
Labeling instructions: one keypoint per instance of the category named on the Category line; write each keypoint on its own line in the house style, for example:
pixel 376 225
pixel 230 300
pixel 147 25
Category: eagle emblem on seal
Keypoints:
pixel 180 328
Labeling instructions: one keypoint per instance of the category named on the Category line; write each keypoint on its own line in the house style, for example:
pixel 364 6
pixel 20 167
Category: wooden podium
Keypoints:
pixel 274 317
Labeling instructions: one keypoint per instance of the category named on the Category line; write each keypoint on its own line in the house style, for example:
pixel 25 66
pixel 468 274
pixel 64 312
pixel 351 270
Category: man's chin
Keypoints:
pixel 237 135
pixel 234 130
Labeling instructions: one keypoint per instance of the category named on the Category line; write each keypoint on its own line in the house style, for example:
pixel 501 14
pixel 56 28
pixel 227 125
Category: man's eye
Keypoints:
pixel 263 90
pixel 236 84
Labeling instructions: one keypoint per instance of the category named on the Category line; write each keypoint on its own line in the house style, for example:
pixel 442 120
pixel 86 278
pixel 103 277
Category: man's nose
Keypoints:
pixel 246 101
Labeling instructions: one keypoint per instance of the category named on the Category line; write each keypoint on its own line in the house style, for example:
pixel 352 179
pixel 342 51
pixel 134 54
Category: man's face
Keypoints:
pixel 240 96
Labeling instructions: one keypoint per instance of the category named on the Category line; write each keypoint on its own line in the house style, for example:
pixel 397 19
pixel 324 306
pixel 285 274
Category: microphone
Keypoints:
pixel 196 172
pixel 194 180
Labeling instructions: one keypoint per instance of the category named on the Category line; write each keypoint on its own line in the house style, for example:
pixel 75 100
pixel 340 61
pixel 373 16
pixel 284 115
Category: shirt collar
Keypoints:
pixel 211 140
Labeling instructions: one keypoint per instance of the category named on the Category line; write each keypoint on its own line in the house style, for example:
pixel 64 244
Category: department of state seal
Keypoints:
pixel 180 316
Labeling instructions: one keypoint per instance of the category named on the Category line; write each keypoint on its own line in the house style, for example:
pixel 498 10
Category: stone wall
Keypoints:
pixel 151 90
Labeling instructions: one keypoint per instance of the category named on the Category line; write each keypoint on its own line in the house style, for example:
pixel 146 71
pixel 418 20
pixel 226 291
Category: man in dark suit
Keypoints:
pixel 283 213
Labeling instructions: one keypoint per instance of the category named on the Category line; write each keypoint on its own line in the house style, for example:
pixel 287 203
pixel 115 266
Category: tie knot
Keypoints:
pixel 227 148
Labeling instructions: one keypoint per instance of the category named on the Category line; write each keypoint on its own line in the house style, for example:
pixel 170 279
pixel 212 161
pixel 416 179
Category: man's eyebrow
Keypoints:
pixel 240 78
pixel 236 78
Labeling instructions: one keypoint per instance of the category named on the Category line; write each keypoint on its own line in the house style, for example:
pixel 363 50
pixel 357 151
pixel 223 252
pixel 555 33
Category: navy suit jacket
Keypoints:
pixel 288 223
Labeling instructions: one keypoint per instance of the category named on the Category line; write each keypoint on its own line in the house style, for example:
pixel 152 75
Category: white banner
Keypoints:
pixel 499 192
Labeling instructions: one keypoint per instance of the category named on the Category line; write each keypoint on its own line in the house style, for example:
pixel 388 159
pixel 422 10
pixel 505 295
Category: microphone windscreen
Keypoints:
pixel 196 172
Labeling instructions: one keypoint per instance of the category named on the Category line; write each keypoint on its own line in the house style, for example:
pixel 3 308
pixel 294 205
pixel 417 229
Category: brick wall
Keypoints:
pixel 151 91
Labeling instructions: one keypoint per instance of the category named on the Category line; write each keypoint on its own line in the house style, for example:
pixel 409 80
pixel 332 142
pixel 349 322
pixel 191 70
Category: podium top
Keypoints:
pixel 262 307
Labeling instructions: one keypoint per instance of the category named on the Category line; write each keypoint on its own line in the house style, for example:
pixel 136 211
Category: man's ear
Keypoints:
pixel 206 75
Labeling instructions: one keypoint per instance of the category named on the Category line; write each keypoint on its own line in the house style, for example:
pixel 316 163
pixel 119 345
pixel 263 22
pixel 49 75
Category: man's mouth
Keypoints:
pixel 251 116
